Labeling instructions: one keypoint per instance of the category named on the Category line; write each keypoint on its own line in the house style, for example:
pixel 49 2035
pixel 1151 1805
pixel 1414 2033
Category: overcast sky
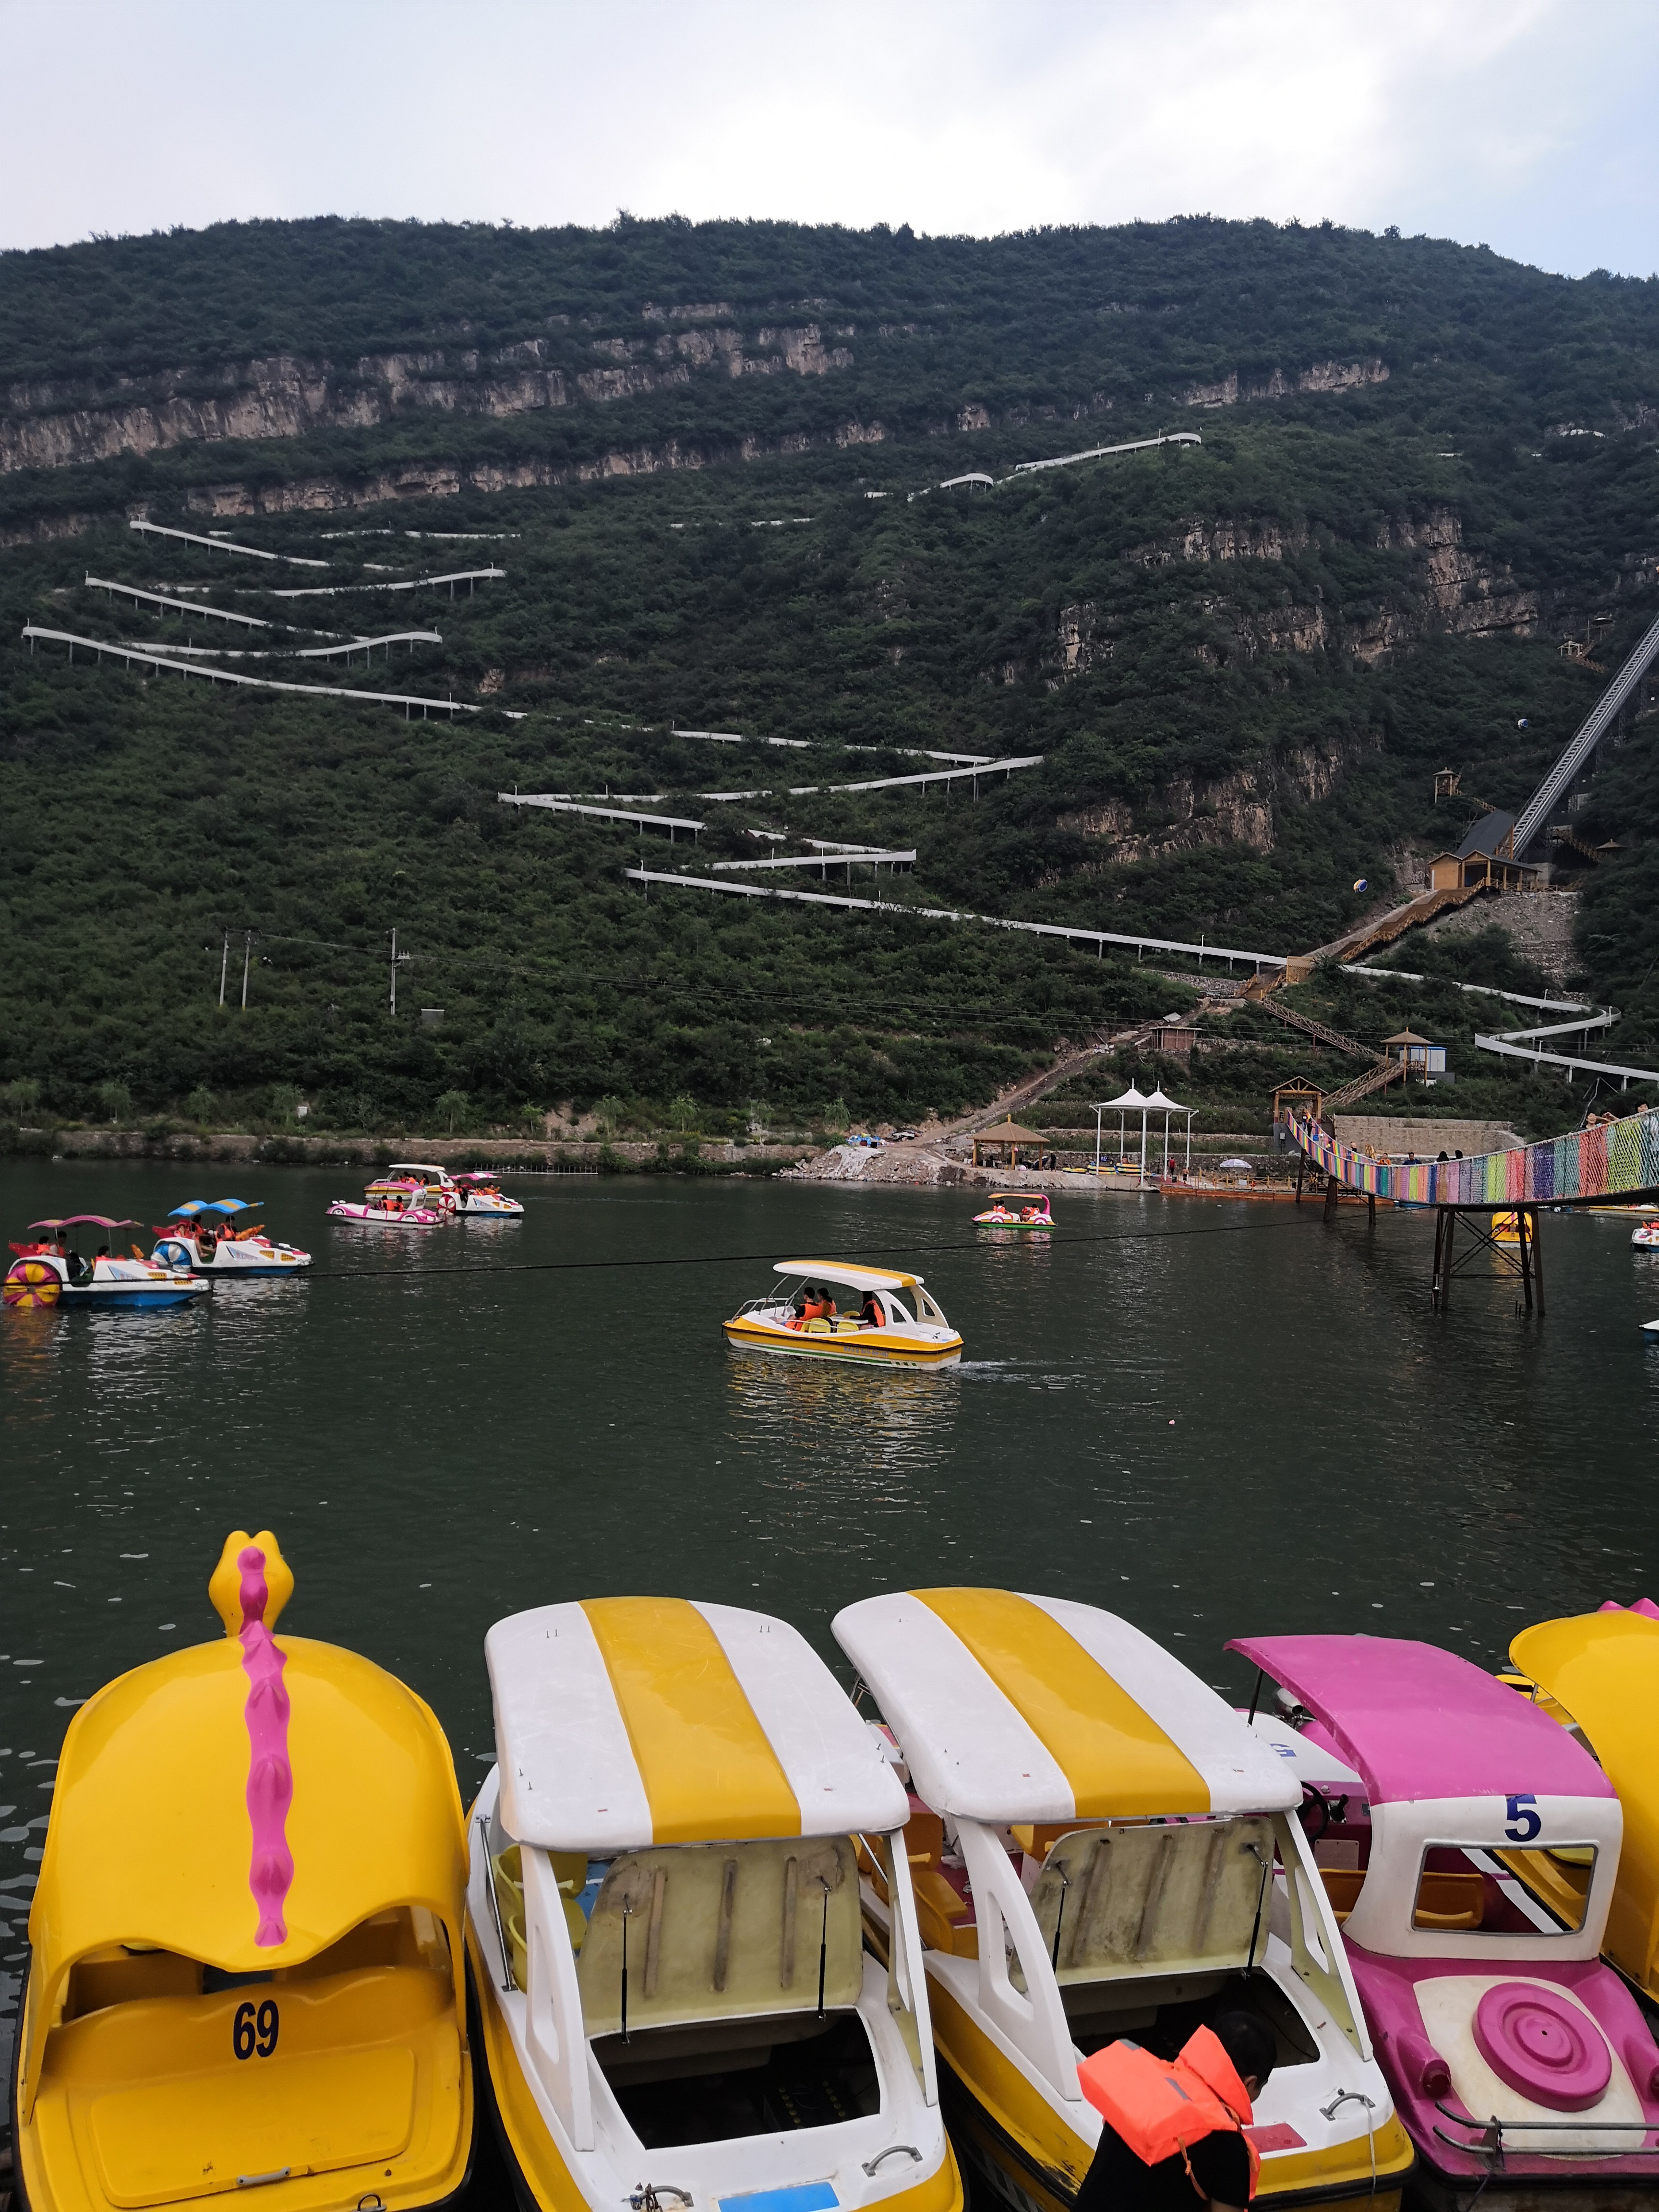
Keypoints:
pixel 1529 125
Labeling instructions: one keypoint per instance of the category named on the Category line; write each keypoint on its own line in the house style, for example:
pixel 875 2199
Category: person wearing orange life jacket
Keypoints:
pixel 1174 2129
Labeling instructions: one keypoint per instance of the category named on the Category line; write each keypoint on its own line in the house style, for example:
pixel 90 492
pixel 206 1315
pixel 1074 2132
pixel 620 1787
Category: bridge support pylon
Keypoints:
pixel 1521 1256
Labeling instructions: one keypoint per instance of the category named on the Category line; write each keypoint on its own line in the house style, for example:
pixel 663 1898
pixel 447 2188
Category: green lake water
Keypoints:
pixel 1211 1418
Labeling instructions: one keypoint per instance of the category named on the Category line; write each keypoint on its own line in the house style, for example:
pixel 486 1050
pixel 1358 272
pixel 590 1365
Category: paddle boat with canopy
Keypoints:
pixel 49 1271
pixel 1597 1674
pixel 438 1187
pixel 1101 1849
pixel 235 1984
pixel 479 1195
pixel 204 1234
pixel 663 1924
pixel 1016 1209
pixel 390 1201
pixel 801 1316
pixel 1474 1871
pixel 1645 1235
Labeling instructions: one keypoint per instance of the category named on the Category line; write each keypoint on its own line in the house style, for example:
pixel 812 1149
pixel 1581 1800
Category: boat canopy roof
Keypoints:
pixel 420 1168
pixel 1417 1722
pixel 192 1205
pixel 479 1174
pixel 1604 1668
pixel 1019 1198
pixel 150 1840
pixel 857 1279
pixel 626 1722
pixel 1010 1707
pixel 92 1220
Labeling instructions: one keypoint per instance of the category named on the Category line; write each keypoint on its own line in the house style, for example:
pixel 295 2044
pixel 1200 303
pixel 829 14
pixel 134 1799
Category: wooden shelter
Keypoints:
pixel 1298 1096
pixel 1002 1145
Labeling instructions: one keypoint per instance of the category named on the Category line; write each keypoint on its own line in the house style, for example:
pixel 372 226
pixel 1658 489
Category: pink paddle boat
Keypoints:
pixel 1472 1877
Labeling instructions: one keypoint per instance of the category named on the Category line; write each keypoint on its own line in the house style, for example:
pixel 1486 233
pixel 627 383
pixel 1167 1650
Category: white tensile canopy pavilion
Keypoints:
pixel 1134 1101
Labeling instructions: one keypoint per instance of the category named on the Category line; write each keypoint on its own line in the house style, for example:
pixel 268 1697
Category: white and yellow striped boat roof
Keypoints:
pixel 624 1722
pixel 1015 1708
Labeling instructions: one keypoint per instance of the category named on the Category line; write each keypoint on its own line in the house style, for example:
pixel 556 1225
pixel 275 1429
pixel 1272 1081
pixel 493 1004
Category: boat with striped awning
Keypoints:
pixel 664 1924
pixel 1101 1849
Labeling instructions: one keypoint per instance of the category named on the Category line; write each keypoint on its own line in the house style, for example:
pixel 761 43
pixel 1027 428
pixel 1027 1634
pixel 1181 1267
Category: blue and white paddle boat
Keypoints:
pixel 48 1271
pixel 205 1236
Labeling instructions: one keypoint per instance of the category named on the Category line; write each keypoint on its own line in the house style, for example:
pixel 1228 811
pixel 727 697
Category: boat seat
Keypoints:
pixel 944 1917
pixel 1342 1887
pixel 1450 1901
pixel 115 1975
pixel 1037 1839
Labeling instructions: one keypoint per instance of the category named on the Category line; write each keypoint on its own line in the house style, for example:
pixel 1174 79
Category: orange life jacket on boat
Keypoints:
pixel 1160 2107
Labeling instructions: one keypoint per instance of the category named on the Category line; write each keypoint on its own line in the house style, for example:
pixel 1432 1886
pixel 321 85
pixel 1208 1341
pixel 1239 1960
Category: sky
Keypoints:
pixel 1524 124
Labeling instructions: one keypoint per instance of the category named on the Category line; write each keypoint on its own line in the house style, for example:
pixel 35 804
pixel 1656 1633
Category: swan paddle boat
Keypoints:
pixel 247 1966
pixel 1597 1674
pixel 1016 1209
pixel 1477 1863
pixel 390 1202
pixel 1645 1235
pixel 801 1315
pixel 1101 1849
pixel 204 1235
pixel 479 1194
pixel 49 1272
pixel 678 2008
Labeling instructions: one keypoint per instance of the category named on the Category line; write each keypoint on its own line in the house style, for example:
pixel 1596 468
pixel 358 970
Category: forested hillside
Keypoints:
pixel 764 480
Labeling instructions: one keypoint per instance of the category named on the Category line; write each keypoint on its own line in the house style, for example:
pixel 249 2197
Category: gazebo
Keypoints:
pixel 1132 1101
pixel 1002 1145
pixel 1158 1104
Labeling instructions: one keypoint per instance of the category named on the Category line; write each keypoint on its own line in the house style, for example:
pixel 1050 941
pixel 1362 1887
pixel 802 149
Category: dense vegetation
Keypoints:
pixel 1241 663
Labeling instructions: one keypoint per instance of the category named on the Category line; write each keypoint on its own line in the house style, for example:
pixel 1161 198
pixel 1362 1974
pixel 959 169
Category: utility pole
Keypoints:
pixel 224 966
pixel 398 960
pixel 248 955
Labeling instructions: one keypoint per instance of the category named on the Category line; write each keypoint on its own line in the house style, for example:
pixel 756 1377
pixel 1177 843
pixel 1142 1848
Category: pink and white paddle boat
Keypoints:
pixel 1472 1871
pixel 390 1202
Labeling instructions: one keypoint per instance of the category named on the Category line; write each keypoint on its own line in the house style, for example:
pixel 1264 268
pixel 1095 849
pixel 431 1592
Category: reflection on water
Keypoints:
pixel 836 1452
pixel 1214 1419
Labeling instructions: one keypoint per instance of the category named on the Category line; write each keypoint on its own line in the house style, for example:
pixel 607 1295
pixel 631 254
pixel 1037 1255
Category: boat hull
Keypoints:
pixel 870 1347
pixel 374 1217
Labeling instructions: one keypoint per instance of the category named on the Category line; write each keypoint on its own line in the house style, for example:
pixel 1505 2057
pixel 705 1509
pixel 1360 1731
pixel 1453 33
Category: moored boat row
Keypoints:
pixel 727 1944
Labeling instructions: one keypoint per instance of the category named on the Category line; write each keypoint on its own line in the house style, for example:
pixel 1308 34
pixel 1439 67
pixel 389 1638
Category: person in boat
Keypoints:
pixel 870 1313
pixel 1234 2055
pixel 819 1305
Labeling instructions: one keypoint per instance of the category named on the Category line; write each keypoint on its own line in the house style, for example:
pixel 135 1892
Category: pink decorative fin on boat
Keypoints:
pixel 1610 1605
pixel 270 1777
pixel 1646 1605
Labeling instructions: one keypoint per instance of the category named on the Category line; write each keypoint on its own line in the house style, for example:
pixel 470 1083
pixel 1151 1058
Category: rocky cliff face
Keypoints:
pixel 49 426
pixel 1240 809
pixel 1321 376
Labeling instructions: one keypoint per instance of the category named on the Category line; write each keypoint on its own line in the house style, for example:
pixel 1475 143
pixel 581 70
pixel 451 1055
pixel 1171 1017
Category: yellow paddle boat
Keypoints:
pixel 664 1928
pixel 1598 1674
pixel 802 1315
pixel 247 1962
pixel 1102 1848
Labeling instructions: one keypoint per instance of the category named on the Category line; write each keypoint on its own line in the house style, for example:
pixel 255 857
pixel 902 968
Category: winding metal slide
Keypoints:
pixel 1535 814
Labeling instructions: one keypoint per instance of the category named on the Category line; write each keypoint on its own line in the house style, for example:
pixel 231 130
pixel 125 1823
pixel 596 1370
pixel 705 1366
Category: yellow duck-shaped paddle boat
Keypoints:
pixel 248 1962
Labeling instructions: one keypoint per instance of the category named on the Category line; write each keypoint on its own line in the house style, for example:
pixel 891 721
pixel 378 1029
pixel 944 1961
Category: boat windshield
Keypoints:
pixel 1468 1890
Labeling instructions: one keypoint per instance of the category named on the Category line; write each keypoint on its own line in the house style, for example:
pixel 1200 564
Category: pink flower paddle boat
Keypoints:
pixel 1472 1877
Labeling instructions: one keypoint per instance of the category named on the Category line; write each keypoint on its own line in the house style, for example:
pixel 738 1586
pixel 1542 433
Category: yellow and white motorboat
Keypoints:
pixel 1103 1848
pixel 664 1927
pixel 801 1315
pixel 248 1962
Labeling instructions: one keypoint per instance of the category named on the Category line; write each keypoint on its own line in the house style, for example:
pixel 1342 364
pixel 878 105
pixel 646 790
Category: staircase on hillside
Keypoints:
pixel 1381 1072
pixel 1381 929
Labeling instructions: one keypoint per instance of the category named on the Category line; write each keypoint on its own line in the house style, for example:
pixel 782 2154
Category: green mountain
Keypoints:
pixel 733 477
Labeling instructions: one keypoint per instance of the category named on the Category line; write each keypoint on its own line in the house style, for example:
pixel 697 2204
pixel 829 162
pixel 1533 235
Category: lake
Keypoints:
pixel 1212 1418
